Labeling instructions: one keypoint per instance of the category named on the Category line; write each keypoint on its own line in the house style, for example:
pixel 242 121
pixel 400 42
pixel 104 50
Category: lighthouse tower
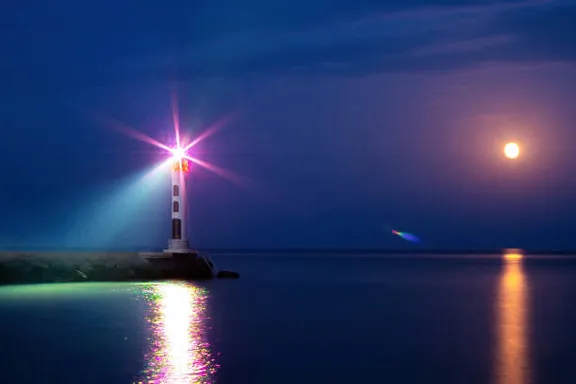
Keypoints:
pixel 178 242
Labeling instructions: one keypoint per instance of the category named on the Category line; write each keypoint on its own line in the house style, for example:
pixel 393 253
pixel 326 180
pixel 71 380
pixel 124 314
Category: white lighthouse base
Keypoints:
pixel 178 246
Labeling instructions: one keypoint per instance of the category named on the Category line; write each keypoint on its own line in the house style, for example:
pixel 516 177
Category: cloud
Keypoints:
pixel 227 38
pixel 545 33
pixel 442 37
pixel 465 45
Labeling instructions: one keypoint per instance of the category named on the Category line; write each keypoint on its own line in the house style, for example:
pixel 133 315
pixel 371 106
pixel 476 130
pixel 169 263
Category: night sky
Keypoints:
pixel 348 117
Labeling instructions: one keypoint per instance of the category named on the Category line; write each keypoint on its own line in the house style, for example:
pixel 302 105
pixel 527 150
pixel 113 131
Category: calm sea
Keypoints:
pixel 304 319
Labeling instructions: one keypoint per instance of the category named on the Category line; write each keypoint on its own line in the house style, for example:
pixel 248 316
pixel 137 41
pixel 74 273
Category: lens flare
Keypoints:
pixel 406 236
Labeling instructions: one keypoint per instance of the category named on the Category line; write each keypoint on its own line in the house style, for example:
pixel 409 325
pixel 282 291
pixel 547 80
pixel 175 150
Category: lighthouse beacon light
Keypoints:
pixel 178 153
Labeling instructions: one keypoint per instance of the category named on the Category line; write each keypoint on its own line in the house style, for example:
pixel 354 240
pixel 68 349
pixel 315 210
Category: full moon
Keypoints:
pixel 512 150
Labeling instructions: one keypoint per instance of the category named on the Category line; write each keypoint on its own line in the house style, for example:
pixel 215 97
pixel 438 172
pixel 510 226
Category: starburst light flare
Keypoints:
pixel 181 150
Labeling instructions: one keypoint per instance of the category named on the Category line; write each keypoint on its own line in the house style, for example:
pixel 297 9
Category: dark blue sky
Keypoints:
pixel 353 116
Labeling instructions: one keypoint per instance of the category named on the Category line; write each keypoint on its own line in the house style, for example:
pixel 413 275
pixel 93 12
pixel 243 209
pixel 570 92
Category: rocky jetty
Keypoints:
pixel 48 267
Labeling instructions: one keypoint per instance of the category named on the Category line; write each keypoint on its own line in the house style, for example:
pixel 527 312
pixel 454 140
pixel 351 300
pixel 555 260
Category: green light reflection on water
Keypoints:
pixel 176 317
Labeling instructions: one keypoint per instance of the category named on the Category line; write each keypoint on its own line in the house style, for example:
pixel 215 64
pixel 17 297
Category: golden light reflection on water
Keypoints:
pixel 512 325
pixel 179 352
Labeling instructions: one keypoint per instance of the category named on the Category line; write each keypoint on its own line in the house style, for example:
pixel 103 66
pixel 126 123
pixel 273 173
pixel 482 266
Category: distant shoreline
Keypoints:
pixel 389 251
pixel 315 251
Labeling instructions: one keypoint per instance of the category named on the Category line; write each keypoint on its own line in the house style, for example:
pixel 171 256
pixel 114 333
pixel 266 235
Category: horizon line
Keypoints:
pixel 318 250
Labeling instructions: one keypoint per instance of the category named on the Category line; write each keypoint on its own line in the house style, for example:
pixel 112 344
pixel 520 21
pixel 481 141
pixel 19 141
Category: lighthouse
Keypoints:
pixel 180 167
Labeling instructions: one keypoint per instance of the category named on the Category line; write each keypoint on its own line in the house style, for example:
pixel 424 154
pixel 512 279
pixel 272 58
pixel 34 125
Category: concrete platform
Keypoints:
pixel 188 263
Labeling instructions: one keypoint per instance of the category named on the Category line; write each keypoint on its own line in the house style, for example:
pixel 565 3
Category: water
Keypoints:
pixel 304 319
